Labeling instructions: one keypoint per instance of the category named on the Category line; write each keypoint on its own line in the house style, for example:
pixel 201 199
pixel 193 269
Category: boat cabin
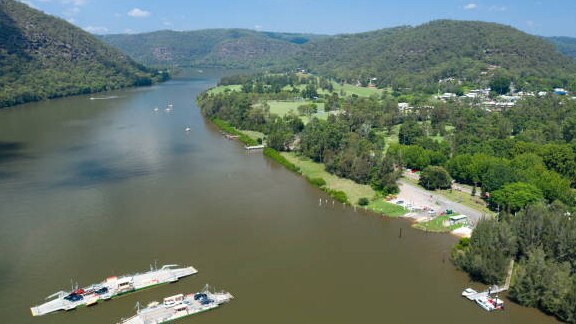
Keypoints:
pixel 459 219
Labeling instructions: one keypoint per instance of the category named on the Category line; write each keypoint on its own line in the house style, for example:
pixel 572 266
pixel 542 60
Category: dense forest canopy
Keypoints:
pixel 239 48
pixel 566 45
pixel 44 57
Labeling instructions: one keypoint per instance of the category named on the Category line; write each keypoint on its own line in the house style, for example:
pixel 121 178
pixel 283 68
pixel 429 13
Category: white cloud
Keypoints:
pixel 498 8
pixel 96 29
pixel 72 11
pixel 74 2
pixel 530 23
pixel 258 27
pixel 138 13
pixel 471 6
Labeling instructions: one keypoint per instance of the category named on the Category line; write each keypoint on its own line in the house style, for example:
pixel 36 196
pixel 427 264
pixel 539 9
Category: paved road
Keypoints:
pixel 418 196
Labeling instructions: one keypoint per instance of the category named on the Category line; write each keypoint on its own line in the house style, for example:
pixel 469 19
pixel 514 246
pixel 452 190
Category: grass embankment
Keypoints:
pixel 225 127
pixel 318 176
pixel 437 225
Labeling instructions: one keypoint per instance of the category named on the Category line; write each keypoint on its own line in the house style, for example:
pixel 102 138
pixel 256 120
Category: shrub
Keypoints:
pixel 318 182
pixel 363 201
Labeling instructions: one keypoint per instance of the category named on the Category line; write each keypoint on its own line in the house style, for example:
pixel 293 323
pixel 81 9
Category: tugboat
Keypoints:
pixel 179 306
pixel 110 288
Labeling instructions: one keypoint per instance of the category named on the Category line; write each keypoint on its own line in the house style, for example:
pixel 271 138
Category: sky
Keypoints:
pixel 538 17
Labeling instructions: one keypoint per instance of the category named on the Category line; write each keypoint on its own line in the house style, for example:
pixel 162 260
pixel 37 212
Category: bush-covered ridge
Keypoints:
pixel 466 50
pixel 211 47
pixel 401 57
pixel 44 57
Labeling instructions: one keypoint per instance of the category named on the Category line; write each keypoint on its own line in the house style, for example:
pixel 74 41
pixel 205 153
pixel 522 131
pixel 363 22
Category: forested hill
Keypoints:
pixel 45 57
pixel 211 47
pixel 402 57
pixel 566 45
pixel 437 50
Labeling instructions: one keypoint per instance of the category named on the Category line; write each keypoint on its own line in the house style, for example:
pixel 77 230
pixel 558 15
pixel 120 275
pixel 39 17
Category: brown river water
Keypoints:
pixel 93 188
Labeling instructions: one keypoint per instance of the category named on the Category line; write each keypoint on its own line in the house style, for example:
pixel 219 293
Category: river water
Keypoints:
pixel 93 188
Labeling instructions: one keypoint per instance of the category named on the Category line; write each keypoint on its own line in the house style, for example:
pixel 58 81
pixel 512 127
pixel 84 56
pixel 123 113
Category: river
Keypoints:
pixel 93 188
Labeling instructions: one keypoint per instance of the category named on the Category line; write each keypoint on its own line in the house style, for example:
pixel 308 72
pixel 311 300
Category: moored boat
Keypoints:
pixel 179 306
pixel 110 288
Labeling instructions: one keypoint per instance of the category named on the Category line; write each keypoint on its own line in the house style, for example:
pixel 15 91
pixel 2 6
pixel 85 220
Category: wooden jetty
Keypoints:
pixel 494 289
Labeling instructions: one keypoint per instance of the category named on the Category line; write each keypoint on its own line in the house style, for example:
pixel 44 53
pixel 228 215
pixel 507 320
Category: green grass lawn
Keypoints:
pixel 391 138
pixel 381 206
pixel 281 108
pixel 437 225
pixel 310 169
pixel 253 134
pixel 221 89
pixel 350 89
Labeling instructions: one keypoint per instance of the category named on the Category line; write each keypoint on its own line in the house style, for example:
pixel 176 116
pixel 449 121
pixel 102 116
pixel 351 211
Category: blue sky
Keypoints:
pixel 540 17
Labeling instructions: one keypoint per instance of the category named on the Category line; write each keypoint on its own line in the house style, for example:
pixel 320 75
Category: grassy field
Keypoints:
pixel 253 134
pixel 221 89
pixel 310 169
pixel 437 225
pixel 353 190
pixel 359 91
pixel 282 108
pixel 381 206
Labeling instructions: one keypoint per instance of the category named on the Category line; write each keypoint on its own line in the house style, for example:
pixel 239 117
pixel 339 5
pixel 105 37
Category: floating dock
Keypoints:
pixel 255 147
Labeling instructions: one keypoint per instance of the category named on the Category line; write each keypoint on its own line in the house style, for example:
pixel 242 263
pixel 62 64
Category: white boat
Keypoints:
pixel 489 304
pixel 468 292
pixel 179 306
pixel 188 129
pixel 110 288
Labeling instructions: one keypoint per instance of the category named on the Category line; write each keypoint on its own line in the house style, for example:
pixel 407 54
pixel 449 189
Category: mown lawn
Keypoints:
pixel 350 89
pixel 437 225
pixel 253 134
pixel 310 169
pixel 281 108
pixel 389 209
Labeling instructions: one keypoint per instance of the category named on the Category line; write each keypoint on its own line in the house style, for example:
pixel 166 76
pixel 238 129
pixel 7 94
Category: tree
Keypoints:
pixel 308 109
pixel 310 91
pixel 500 85
pixel 515 196
pixel 280 135
pixel 435 177
pixel 410 132
pixel 385 176
pixel 488 254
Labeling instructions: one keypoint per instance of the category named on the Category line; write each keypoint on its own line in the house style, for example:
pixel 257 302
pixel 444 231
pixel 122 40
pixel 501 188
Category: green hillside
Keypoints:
pixel 44 57
pixel 211 47
pixel 566 45
pixel 467 50
pixel 403 57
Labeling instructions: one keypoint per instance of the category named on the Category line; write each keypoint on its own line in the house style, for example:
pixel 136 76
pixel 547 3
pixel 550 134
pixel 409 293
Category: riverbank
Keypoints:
pixel 349 192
